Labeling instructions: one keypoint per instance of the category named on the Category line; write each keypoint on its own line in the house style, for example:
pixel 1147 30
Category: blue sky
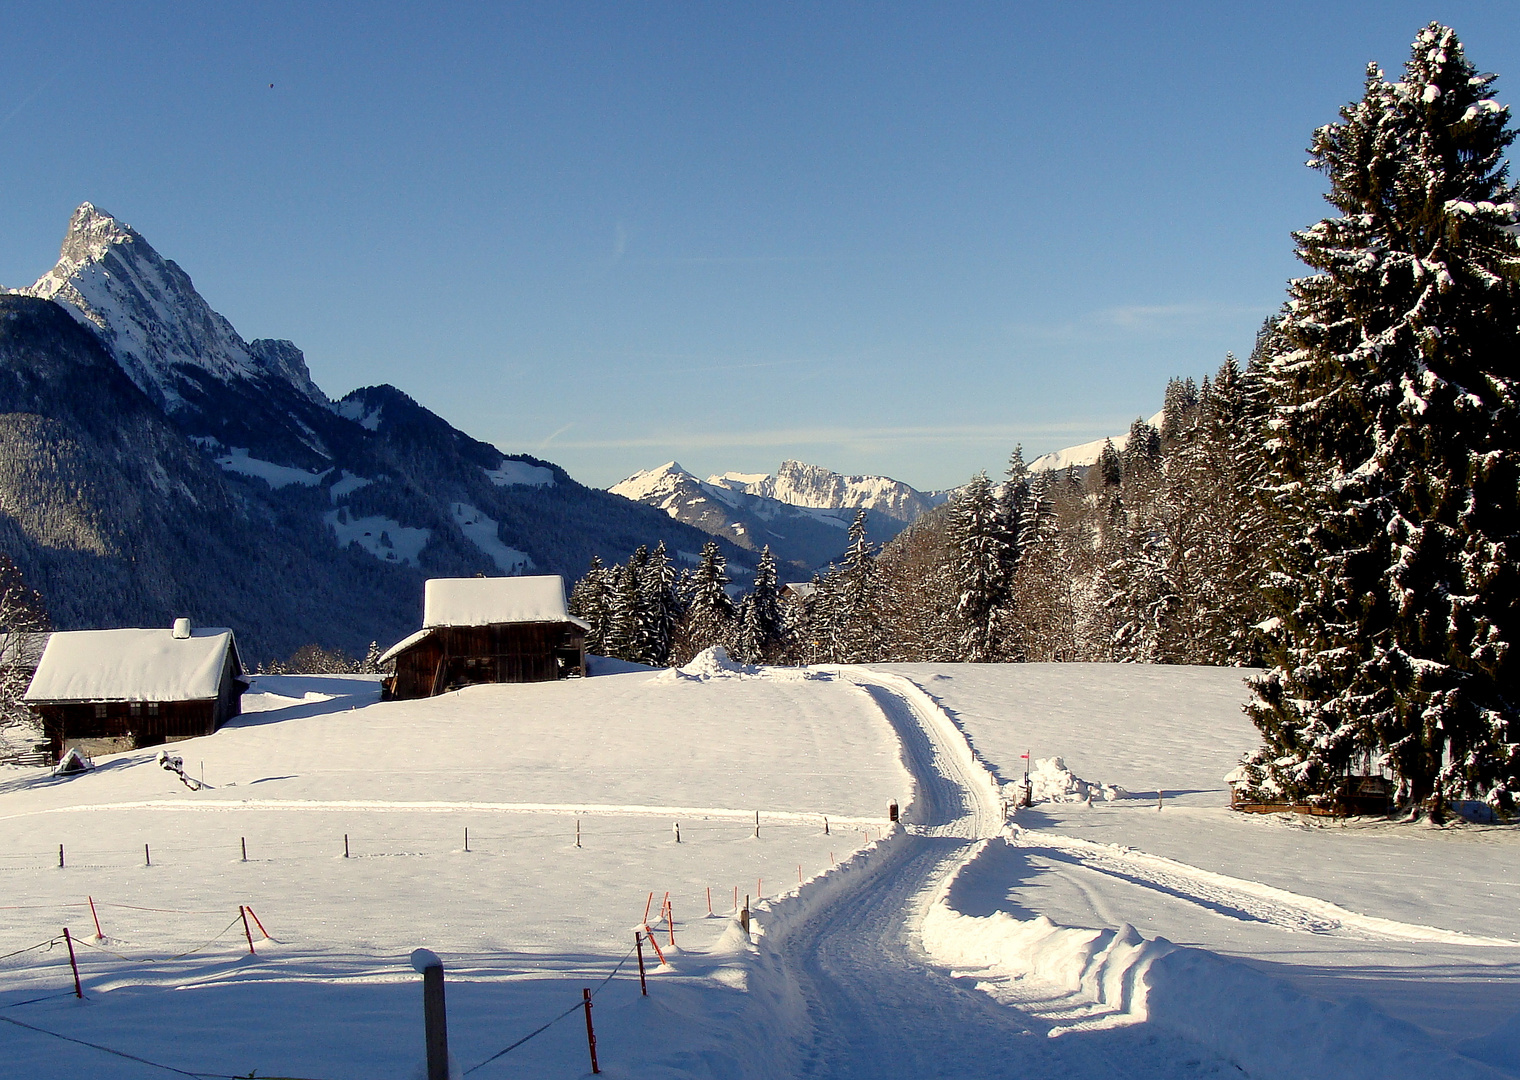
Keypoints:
pixel 883 238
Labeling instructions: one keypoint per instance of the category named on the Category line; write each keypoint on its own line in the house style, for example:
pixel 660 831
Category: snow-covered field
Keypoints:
pixel 1291 925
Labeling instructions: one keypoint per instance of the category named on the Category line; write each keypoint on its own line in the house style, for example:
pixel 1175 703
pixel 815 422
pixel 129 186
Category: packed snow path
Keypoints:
pixel 879 1007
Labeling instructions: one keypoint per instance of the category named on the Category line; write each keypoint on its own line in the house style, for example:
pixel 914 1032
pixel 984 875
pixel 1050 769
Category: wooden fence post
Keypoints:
pixel 590 1032
pixel 243 913
pixel 73 963
pixel 434 1013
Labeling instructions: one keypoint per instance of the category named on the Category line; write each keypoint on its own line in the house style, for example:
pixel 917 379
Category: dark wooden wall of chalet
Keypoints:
pixel 465 655
pixel 175 719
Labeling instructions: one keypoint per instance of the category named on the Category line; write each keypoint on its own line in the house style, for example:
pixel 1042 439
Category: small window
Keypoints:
pixel 135 708
pixel 152 708
pixel 100 710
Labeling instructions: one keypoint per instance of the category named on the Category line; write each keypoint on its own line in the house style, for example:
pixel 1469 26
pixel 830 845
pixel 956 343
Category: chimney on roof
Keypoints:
pixel 181 628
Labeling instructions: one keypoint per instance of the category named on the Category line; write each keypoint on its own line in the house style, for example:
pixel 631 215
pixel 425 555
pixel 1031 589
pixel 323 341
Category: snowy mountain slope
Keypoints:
pixel 147 312
pixel 800 484
pixel 1087 453
pixel 805 530
pixel 355 500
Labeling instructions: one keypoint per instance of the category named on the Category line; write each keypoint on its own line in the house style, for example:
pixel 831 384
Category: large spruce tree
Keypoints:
pixel 1393 437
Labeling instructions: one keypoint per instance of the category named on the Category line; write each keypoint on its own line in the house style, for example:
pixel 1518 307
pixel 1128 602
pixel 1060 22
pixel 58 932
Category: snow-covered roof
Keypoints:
pixel 800 589
pixel 132 665
pixel 405 643
pixel 478 601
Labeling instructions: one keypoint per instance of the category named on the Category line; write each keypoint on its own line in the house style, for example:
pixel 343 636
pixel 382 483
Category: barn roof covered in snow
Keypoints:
pixel 132 665
pixel 489 601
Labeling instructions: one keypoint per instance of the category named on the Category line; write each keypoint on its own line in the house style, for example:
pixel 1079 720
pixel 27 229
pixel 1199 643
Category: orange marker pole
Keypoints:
pixel 258 924
pixel 98 935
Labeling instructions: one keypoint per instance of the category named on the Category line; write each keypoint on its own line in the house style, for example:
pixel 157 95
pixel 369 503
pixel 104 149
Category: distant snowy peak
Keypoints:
pixel 1086 453
pixel 659 486
pixel 814 486
pixel 149 316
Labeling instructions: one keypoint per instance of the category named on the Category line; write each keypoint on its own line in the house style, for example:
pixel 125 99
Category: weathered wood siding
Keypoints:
pixel 78 720
pixel 455 656
pixel 145 723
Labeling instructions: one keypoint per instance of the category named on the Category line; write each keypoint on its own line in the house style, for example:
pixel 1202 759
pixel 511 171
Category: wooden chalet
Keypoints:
pixel 105 691
pixel 488 630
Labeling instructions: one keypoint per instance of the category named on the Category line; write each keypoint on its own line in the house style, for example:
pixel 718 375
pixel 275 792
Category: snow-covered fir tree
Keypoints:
pixel 985 553
pixel 591 602
pixel 709 616
pixel 759 636
pixel 659 607
pixel 856 600
pixel 1394 429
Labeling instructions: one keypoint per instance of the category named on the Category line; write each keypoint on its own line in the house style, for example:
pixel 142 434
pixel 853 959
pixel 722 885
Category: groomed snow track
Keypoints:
pixel 877 1005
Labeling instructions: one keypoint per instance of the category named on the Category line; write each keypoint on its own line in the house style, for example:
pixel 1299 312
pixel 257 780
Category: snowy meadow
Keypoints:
pixel 1094 930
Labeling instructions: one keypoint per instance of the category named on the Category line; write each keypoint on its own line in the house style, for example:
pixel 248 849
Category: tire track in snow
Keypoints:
pixel 1236 898
pixel 878 1005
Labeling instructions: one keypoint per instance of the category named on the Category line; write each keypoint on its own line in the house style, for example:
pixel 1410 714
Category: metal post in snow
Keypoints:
pixel 98 935
pixel 244 840
pixel 466 838
pixel 590 1032
pixel 60 856
pixel 147 856
pixel 638 943
pixel 345 845
pixel 73 963
pixel 434 1013
pixel 675 827
pixel 757 824
pixel 243 912
pixel 577 832
pixel 825 826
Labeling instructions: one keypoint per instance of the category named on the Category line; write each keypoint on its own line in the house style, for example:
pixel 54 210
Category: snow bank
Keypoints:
pixel 714 663
pixel 1261 1023
pixel 1051 781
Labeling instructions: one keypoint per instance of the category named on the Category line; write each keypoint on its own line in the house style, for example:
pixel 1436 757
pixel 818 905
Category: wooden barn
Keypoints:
pixel 105 691
pixel 488 630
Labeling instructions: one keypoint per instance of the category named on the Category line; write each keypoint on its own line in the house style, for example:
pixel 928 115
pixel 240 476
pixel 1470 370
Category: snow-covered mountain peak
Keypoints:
pixel 813 486
pixel 662 480
pixel 149 316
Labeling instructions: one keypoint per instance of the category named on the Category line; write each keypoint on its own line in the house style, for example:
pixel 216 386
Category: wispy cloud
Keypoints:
pixel 544 445
pixel 33 96
pixel 1140 321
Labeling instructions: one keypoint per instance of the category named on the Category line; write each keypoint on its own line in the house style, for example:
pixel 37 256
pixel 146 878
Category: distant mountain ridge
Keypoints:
pixel 153 463
pixel 802 512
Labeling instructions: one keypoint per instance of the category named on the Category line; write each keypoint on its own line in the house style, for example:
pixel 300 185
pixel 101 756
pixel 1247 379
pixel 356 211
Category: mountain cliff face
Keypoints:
pixel 155 464
pixel 802 513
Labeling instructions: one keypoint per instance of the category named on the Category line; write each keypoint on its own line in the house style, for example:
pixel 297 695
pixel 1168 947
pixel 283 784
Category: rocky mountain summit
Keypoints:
pixel 153 463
